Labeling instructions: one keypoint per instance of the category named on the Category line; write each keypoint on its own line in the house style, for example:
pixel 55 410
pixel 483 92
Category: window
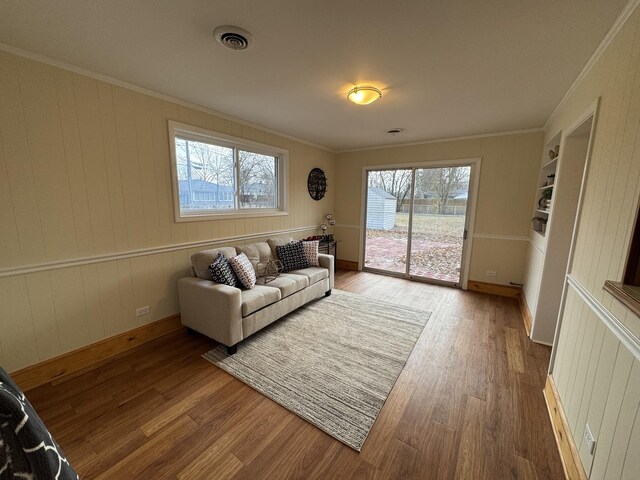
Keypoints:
pixel 216 175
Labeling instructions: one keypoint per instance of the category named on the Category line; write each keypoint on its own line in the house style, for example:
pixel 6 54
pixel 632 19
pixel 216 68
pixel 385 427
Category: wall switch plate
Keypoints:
pixel 589 440
pixel 491 273
pixel 142 311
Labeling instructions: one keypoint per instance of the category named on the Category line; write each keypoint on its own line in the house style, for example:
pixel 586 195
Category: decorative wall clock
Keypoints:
pixel 317 184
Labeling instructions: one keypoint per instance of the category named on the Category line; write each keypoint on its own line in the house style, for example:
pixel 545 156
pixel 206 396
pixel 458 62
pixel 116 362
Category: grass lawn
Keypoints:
pixel 450 226
pixel 436 246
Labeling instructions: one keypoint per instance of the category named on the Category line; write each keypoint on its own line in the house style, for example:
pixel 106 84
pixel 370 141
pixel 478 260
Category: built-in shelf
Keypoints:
pixel 542 216
pixel 550 163
pixel 545 277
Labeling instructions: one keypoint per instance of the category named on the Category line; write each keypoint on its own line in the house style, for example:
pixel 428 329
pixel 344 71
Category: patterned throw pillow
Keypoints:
pixel 292 256
pixel 244 270
pixel 221 272
pixel 274 242
pixel 311 252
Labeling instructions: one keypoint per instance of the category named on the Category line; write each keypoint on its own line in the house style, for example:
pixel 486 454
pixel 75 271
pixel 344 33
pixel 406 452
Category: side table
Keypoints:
pixel 327 247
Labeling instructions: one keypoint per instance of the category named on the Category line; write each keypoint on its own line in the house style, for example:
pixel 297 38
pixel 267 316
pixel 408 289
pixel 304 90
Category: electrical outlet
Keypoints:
pixel 490 273
pixel 589 440
pixel 142 311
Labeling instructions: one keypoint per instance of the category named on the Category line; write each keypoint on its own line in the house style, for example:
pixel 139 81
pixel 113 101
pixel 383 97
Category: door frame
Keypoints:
pixel 474 182
pixel 592 112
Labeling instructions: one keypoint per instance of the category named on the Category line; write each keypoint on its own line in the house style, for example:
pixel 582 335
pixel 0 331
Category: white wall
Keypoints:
pixel 508 180
pixel 596 367
pixel 84 175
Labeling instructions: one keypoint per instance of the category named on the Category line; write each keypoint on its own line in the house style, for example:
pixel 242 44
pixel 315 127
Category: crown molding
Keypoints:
pixel 442 140
pixel 606 41
pixel 114 81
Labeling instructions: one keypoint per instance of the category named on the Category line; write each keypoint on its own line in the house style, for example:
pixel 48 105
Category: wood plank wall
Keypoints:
pixel 85 172
pixel 597 374
pixel 598 380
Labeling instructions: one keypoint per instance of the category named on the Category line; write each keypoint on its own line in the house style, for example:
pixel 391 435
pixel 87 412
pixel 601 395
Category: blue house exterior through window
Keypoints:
pixel 203 195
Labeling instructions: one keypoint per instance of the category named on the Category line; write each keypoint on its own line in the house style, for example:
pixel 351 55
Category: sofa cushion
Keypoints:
pixel 256 252
pixel 287 283
pixel 203 259
pixel 244 270
pixel 292 256
pixel 302 281
pixel 274 242
pixel 258 297
pixel 221 272
pixel 315 274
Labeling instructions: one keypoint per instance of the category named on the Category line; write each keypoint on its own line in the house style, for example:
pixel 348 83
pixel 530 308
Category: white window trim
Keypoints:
pixel 191 132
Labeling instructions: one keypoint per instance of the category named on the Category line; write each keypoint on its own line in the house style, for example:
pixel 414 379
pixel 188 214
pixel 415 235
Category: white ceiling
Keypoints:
pixel 447 68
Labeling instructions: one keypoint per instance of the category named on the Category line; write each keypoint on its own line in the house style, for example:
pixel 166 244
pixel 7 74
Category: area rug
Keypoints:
pixel 333 361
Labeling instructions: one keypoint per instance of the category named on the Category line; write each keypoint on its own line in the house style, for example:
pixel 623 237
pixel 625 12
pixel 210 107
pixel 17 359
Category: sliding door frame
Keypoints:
pixel 474 179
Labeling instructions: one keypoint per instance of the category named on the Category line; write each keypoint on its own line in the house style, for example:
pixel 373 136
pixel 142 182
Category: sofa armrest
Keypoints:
pixel 326 261
pixel 212 309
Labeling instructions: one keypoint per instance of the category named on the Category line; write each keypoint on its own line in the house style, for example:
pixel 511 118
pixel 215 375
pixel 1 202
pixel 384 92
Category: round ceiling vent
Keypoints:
pixel 395 131
pixel 235 38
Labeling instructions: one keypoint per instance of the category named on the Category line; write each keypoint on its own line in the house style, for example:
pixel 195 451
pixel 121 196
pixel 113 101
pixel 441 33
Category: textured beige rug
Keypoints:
pixel 333 361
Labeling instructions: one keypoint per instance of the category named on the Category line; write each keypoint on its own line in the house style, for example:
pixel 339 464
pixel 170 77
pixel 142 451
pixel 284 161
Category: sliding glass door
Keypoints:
pixel 416 222
pixel 438 222
pixel 387 238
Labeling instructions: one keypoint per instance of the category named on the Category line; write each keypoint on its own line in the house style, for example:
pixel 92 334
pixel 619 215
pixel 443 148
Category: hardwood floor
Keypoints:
pixel 468 404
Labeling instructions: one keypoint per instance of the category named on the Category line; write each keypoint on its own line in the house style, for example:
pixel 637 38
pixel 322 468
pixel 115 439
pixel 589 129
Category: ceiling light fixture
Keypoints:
pixel 364 94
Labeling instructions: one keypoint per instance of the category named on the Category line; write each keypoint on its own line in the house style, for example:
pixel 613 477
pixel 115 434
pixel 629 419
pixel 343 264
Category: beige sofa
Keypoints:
pixel 228 314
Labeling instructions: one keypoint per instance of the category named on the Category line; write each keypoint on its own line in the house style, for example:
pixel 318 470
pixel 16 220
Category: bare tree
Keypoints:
pixel 181 159
pixel 257 179
pixel 202 161
pixel 444 182
pixel 215 164
pixel 395 182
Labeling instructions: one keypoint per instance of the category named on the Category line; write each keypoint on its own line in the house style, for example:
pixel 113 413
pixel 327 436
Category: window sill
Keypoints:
pixel 229 216
pixel 628 295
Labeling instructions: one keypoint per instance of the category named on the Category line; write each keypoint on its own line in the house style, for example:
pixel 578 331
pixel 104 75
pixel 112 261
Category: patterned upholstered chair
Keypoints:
pixel 27 449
